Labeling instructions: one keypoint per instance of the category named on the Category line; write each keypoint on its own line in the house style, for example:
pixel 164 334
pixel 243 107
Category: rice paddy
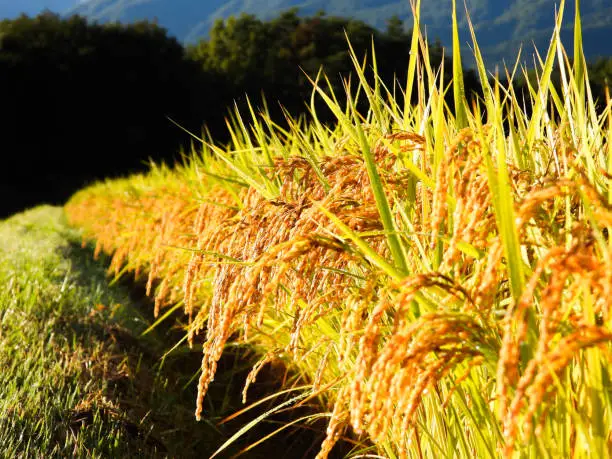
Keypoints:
pixel 436 279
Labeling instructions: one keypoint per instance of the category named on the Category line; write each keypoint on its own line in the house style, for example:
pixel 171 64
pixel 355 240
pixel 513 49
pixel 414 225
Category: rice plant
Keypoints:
pixel 437 278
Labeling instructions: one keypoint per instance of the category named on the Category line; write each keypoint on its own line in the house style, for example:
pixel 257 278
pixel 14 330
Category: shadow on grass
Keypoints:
pixel 154 394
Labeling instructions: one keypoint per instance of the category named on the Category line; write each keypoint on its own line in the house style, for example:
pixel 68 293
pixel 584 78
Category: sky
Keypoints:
pixel 12 8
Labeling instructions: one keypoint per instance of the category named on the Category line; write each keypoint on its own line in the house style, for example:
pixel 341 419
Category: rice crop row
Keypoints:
pixel 439 276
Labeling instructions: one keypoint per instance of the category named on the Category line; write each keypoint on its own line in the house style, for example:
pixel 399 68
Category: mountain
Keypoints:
pixel 501 25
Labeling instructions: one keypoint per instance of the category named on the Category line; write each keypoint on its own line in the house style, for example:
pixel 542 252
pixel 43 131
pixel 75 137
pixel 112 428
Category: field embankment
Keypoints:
pixel 78 378
pixel 438 280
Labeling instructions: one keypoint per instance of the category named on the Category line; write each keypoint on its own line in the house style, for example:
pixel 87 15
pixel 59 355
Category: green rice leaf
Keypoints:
pixel 458 87
pixel 540 101
pixel 369 253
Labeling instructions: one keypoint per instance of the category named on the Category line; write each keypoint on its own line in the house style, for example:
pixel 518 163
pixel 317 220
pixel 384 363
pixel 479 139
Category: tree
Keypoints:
pixel 395 27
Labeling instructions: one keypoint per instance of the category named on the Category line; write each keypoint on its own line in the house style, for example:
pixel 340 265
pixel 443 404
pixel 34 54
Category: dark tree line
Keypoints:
pixel 81 101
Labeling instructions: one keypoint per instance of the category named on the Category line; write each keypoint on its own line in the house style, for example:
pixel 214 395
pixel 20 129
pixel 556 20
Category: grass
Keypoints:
pixel 437 279
pixel 78 378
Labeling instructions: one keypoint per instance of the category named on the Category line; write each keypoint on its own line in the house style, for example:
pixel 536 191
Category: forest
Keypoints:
pixel 83 101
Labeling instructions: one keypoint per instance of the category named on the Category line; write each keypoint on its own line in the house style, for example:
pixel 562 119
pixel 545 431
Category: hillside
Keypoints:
pixel 502 25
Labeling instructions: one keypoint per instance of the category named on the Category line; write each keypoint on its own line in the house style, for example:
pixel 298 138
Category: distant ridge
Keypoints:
pixel 501 25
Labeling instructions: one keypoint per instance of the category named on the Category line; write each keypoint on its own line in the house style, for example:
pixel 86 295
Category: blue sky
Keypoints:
pixel 12 8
